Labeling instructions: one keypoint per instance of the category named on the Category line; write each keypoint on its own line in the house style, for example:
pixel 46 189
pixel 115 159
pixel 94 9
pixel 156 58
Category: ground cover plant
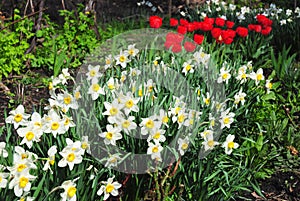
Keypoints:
pixel 200 106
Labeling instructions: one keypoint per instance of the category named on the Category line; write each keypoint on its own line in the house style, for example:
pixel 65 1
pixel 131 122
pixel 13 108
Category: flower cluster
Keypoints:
pixel 222 30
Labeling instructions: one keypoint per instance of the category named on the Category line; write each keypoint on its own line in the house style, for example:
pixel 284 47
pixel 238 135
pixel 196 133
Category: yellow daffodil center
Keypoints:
pixel 67 100
pixel 55 126
pixel 226 120
pixel 259 77
pixel 202 55
pixel 29 135
pixel 165 119
pixel 225 76
pixel 270 85
pixel 230 145
pixel 207 101
pixel 155 149
pixel 92 73
pixel 155 63
pixel 126 124
pixel 210 143
pixel 71 191
pixel 38 124
pixel 129 103
pixel 23 182
pixel 21 167
pixel 156 135
pixel 18 118
pixel 140 92
pixel 84 145
pixel 212 122
pixel 109 188
pixel 109 135
pixel 131 51
pixel 181 118
pixel 199 92
pixel 67 121
pixel 71 157
pixel 96 87
pixel 52 162
pixel 177 109
pixel 184 146
pixel 22 199
pixel 244 76
pixel 111 86
pixel 77 95
pixel 150 124
pixel 107 61
pixel 188 67
pixel 113 111
pixel 150 88
pixel 24 156
pixel 0 179
pixel 122 59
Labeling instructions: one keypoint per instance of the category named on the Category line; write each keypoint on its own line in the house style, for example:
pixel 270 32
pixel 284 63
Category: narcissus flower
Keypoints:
pixel 258 76
pixel 95 89
pixel 226 118
pixel 111 135
pixel 188 67
pixel 229 145
pixel 70 190
pixel 3 151
pixel 154 150
pixel 224 75
pixel 183 145
pixel 122 59
pixel 21 183
pixel 209 142
pixel 93 72
pixel 17 117
pixel 51 158
pixel 3 179
pixel 109 188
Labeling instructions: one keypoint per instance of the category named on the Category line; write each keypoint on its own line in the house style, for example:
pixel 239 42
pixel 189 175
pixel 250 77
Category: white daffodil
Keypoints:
pixel 240 97
pixel 187 68
pixel 209 142
pixel 163 117
pixel 192 117
pixel 18 117
pixel 122 59
pixel 123 77
pixel 3 151
pixel 95 89
pixel 51 158
pixel 132 51
pixel 22 161
pixel 183 145
pixel 109 188
pixel 206 99
pixel 258 76
pixel 113 111
pixel 229 145
pixel 111 135
pixel 112 84
pixel 26 198
pixel 206 132
pixel 127 124
pixel 269 86
pixel 21 183
pixel 85 144
pixel 224 75
pixel 68 122
pixel 76 93
pixel 149 124
pixel 180 118
pixel 69 193
pixel 226 118
pixel 67 101
pixel 71 156
pixel 29 134
pixel 54 124
pixel 212 121
pixel 134 72
pixel 112 161
pixel 157 135
pixel 201 57
pixel 3 179
pixel 242 75
pixel 154 150
pixel 93 73
pixel 108 62
pixel 130 103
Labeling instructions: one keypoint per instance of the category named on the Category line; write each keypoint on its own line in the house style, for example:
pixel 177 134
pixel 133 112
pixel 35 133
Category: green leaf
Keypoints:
pixel 269 96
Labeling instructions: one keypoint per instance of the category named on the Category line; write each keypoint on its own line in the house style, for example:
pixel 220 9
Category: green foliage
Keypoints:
pixel 13 45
